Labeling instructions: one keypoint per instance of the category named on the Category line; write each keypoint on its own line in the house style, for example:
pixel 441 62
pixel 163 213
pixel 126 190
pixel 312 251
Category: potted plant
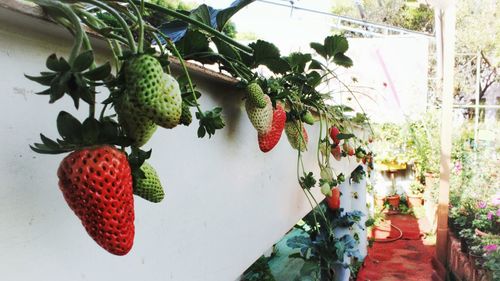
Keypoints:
pixel 393 200
pixel 414 198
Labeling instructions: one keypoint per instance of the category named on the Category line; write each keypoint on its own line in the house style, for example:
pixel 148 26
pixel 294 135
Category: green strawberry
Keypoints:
pixel 261 118
pixel 155 93
pixel 149 187
pixel 137 126
pixel 308 118
pixel 186 116
pixel 296 134
pixel 256 95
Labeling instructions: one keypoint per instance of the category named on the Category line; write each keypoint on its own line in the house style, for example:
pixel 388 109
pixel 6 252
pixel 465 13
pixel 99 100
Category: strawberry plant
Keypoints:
pixel 105 156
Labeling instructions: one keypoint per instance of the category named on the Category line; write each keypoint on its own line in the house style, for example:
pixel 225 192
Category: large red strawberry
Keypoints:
pixel 334 132
pixel 333 201
pixel 268 141
pixel 97 185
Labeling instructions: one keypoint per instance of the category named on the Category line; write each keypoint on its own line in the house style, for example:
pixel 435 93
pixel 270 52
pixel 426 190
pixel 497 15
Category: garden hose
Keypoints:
pixel 392 239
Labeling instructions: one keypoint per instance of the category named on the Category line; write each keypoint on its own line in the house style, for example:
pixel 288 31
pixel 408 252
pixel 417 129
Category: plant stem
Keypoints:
pixel 140 46
pixel 88 46
pixel 73 18
pixel 198 24
pixel 123 24
pixel 184 68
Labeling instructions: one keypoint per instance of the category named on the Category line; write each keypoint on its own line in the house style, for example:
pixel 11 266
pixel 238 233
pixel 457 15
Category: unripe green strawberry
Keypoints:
pixel 186 116
pixel 149 187
pixel 308 118
pixel 296 134
pixel 256 95
pixel 326 189
pixel 261 118
pixel 138 127
pixel 155 93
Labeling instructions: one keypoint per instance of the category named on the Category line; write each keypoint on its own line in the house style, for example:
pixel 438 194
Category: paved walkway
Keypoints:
pixel 408 258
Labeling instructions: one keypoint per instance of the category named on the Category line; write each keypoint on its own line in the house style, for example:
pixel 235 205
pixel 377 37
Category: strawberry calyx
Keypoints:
pixel 76 135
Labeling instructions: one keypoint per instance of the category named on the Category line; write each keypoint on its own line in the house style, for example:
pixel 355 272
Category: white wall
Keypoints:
pixel 226 202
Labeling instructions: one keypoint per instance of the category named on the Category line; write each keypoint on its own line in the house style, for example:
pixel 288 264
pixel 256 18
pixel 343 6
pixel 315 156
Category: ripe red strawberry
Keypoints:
pixel 268 141
pixel 336 152
pixel 334 132
pixel 333 201
pixel 97 185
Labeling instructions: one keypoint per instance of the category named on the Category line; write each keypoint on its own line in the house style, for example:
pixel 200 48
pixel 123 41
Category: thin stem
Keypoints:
pixel 72 17
pixel 140 22
pixel 121 21
pixel 198 24
pixel 184 68
pixel 88 46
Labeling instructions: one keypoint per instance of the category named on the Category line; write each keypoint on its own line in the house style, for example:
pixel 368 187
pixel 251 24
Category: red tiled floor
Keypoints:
pixel 404 259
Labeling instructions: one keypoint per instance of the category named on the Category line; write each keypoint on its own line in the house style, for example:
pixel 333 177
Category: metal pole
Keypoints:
pixel 448 63
pixel 478 90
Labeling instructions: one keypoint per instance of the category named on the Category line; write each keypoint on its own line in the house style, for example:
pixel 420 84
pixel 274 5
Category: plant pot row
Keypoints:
pixel 465 266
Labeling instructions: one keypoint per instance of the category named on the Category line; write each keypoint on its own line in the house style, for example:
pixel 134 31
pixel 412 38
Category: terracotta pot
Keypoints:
pixel 414 200
pixel 393 200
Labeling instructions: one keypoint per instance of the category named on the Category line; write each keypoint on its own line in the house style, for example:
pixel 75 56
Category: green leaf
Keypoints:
pixel 83 61
pixel 193 42
pixel 313 79
pixel 298 61
pixel 99 73
pixel 342 60
pixel 336 44
pixel 69 127
pixel 310 269
pixel 90 130
pixel 201 132
pixel 45 80
pixel 320 49
pixel 344 136
pixel 268 54
pixel 315 65
pixel 201 14
pixel 226 50
pixel 224 15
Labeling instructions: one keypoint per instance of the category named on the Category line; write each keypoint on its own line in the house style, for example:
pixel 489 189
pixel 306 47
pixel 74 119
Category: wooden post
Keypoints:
pixel 447 43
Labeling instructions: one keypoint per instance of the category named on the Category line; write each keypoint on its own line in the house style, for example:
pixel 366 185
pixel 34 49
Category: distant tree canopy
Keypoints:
pixel 406 14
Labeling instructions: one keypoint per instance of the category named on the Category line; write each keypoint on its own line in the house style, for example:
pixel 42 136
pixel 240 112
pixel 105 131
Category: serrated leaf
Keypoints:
pixel 45 80
pixel 268 54
pixel 342 60
pixel 313 79
pixel 83 61
pixel 99 73
pixel 90 130
pixel 336 44
pixel 298 61
pixel 69 127
pixel 319 48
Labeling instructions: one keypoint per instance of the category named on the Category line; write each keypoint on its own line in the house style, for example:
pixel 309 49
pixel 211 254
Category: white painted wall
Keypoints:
pixel 226 202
